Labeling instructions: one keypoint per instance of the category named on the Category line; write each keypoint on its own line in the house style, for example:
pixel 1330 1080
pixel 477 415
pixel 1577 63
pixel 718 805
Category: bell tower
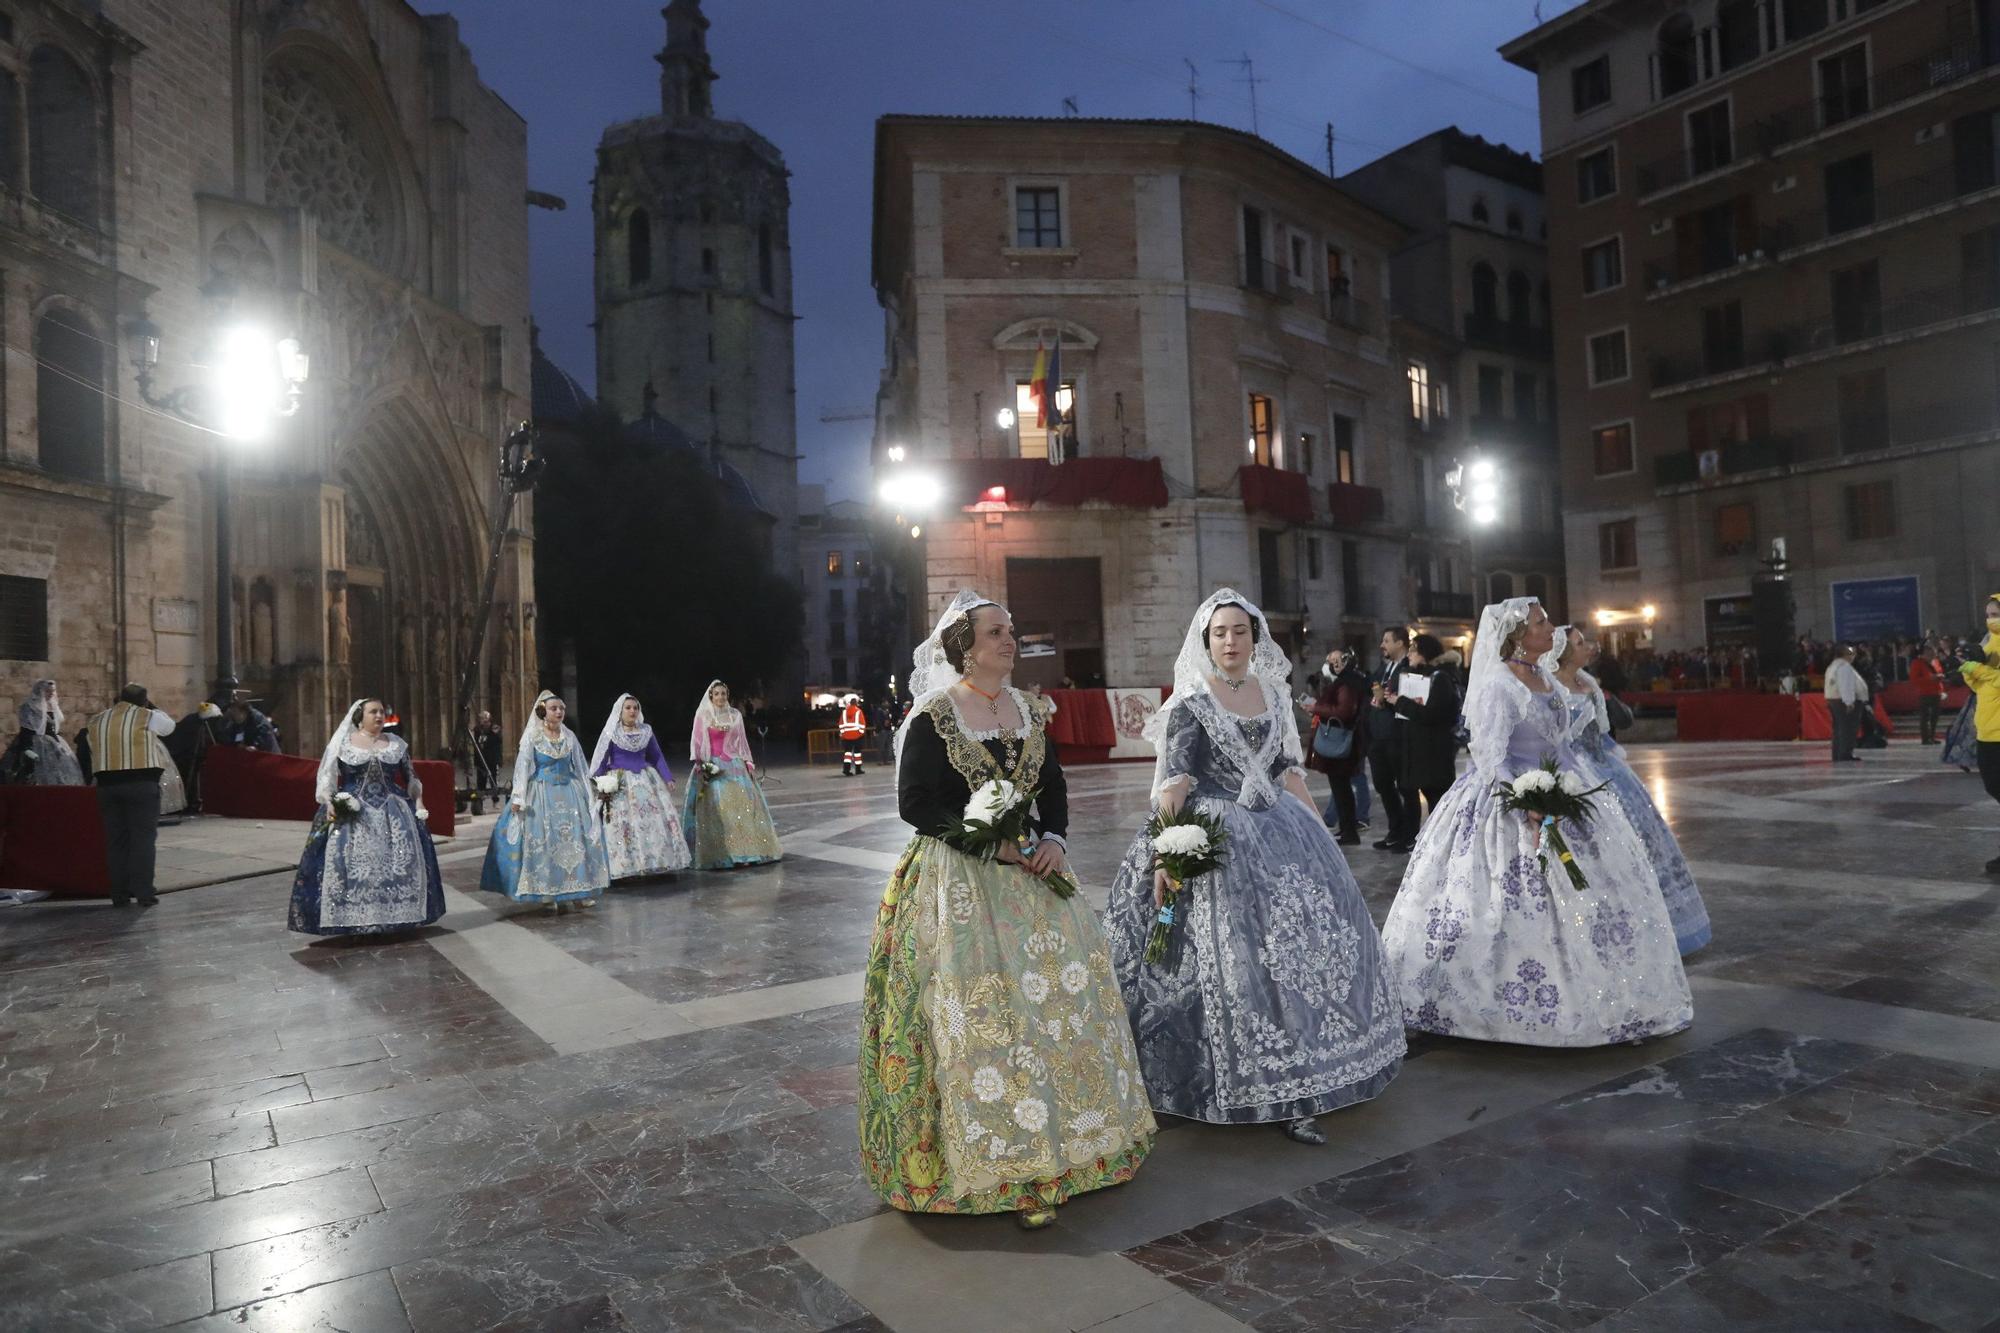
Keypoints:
pixel 685 71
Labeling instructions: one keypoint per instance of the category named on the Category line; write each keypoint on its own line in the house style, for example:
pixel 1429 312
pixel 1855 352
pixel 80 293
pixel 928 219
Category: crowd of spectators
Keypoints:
pixel 1881 662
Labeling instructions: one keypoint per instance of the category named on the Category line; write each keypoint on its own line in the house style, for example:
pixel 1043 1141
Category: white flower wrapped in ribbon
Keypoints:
pixel 1181 840
pixel 991 801
pixel 1548 796
pixel 606 784
pixel 996 814
pixel 346 806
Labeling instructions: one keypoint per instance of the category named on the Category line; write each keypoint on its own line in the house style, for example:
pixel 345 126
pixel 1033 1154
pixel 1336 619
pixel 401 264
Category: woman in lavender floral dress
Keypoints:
pixel 1489 942
pixel 1590 733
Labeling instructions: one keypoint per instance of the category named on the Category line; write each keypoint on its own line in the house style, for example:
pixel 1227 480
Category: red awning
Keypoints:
pixel 1274 491
pixel 1127 483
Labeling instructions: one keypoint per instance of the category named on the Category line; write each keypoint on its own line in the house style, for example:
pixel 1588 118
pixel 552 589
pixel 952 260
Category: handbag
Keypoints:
pixel 1333 741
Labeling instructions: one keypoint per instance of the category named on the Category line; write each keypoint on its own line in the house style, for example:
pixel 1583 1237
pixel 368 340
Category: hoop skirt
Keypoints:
pixel 1961 743
pixel 1489 945
pixel 553 851
pixel 1685 909
pixel 727 819
pixel 997 1069
pixel 642 827
pixel 55 763
pixel 1276 1003
pixel 378 871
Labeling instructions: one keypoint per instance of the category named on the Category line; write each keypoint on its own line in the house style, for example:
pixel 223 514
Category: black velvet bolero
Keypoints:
pixel 941 763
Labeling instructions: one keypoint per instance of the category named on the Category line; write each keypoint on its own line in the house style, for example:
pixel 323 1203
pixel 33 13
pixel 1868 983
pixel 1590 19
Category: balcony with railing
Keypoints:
pixel 1272 279
pixel 1426 416
pixel 1836 105
pixel 1516 432
pixel 1437 604
pixel 1727 460
pixel 1355 506
pixel 1507 335
pixel 1864 320
pixel 1886 203
pixel 1350 313
pixel 1723 357
pixel 1759 244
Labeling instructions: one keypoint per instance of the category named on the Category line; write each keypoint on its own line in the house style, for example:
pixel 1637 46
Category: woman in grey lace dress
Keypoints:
pixel 1274 1006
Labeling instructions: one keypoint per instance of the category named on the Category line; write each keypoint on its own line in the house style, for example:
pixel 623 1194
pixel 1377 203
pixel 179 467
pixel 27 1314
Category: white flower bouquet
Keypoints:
pixel 346 806
pixel 1185 844
pixel 1551 796
pixel 606 786
pixel 997 813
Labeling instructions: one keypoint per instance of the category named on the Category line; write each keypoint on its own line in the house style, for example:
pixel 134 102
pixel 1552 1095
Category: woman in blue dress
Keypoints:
pixel 548 845
pixel 1276 1005
pixel 369 867
pixel 1590 733
pixel 1487 938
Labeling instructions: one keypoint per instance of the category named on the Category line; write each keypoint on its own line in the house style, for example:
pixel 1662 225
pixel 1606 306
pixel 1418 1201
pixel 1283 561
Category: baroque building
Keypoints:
pixel 1782 323
pixel 329 170
pixel 694 284
pixel 1231 409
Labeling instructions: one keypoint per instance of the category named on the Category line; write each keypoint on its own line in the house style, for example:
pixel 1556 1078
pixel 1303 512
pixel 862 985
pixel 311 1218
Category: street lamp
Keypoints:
pixel 253 381
pixel 1004 418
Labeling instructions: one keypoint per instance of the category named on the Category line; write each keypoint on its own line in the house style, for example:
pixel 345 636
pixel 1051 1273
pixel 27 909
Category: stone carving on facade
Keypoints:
pixel 263 624
pixel 364 539
pixel 529 661
pixel 456 352
pixel 406 649
pixel 239 259
pixel 321 158
pixel 339 638
pixel 364 312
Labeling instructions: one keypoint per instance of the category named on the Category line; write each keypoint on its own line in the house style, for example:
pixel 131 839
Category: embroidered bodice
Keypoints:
pixel 1218 750
pixel 942 761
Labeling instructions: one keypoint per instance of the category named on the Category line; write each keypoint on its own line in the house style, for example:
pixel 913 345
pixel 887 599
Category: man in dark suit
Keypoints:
pixel 1385 752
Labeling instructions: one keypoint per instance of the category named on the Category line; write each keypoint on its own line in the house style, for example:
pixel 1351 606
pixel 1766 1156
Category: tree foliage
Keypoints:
pixel 658 582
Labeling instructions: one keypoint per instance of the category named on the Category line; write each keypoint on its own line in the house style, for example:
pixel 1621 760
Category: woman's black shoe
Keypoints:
pixel 1384 844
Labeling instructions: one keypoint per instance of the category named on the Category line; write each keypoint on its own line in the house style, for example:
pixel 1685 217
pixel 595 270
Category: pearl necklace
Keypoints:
pixel 1235 686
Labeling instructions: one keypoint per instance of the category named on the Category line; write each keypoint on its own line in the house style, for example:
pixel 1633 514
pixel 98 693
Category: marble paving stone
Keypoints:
pixel 642 1116
pixel 135 1298
pixel 368 1303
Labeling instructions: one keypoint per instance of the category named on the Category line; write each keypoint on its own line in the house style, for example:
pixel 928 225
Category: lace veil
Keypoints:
pixel 728 719
pixel 1487 713
pixel 1587 683
pixel 524 757
pixel 930 673
pixel 1192 669
pixel 328 781
pixel 36 710
pixel 616 733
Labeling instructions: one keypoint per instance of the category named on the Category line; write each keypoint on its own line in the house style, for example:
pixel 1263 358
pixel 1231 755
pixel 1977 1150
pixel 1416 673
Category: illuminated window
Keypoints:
pixel 1263 429
pixel 1612 448
pixel 1035 438
pixel 833 563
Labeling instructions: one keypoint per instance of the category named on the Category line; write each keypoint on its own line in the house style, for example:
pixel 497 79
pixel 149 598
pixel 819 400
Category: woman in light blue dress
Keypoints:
pixel 548 844
pixel 1276 1005
pixel 1590 733
pixel 1487 938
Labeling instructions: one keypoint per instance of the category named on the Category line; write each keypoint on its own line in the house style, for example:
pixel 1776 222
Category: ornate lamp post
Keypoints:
pixel 253 381
pixel 520 467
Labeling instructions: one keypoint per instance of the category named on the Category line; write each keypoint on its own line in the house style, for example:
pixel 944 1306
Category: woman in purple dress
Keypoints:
pixel 642 830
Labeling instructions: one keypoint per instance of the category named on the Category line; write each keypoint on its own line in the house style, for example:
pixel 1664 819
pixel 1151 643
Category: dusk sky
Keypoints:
pixel 812 76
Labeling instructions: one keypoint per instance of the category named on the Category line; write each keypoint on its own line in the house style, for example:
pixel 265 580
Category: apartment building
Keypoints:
pixel 1776 231
pixel 1472 304
pixel 1227 408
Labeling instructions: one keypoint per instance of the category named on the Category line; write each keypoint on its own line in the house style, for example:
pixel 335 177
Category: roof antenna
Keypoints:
pixel 1250 77
pixel 1194 90
pixel 1069 106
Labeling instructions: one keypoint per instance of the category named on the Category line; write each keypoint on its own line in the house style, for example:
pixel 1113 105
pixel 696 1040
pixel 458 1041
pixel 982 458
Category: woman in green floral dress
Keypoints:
pixel 997 1067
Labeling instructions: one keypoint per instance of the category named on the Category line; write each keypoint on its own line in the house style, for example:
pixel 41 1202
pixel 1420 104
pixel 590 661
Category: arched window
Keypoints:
pixel 1676 55
pixel 638 247
pixel 1485 292
pixel 1514 221
pixel 62 135
pixel 1499 587
pixel 1736 33
pixel 1479 210
pixel 1519 292
pixel 69 396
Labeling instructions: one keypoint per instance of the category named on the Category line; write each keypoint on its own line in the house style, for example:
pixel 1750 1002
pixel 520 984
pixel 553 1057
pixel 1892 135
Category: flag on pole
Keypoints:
pixel 1052 407
pixel 1038 384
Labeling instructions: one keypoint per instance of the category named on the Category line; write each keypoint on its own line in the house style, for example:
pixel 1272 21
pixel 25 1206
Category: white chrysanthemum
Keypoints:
pixel 1534 780
pixel 1574 785
pixel 987 1085
pixel 1181 840
pixel 347 801
pixel 606 783
pixel 1035 986
pixel 991 801
pixel 1076 1025
pixel 1031 1113
pixel 1075 976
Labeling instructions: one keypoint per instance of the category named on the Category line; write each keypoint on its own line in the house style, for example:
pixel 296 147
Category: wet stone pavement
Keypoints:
pixel 642 1116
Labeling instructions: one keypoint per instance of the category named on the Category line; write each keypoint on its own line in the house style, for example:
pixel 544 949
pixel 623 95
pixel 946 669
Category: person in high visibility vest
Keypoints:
pixel 853 730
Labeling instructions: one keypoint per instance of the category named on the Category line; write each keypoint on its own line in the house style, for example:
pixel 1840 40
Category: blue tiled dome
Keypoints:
pixel 557 397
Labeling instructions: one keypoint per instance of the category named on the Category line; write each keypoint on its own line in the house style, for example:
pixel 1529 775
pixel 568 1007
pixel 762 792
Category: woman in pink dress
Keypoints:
pixel 728 824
